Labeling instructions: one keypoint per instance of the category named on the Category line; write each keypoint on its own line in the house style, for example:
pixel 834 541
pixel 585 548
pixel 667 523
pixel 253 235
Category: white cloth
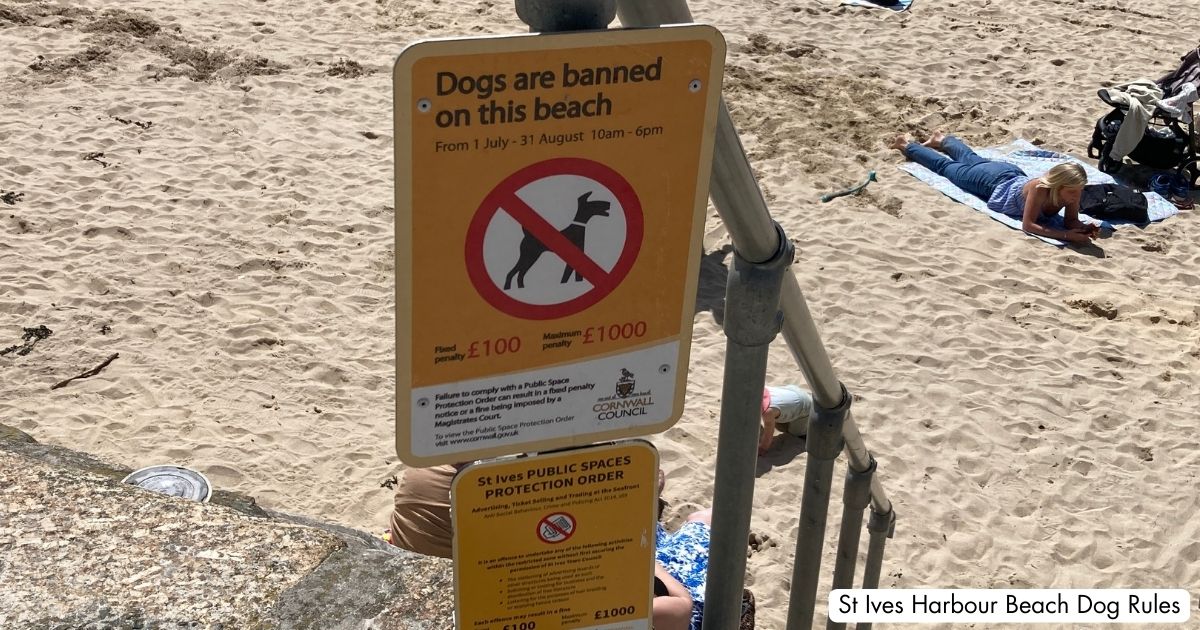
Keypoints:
pixel 1139 98
pixel 1177 105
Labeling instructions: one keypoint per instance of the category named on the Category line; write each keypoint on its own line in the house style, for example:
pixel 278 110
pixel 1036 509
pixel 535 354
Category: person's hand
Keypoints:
pixel 1080 226
pixel 1074 236
pixel 1079 236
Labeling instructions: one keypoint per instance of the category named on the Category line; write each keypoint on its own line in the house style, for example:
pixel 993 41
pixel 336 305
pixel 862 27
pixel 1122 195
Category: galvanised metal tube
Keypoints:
pixel 861 461
pixel 752 321
pixel 824 443
pixel 742 209
pixel 733 491
pixel 855 498
pixel 549 16
pixel 800 333
pixel 735 193
pixel 881 525
pixel 653 12
pixel 732 186
pixel 739 202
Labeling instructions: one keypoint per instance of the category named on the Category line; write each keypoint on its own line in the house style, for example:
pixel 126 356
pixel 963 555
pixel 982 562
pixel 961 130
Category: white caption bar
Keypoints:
pixel 1010 605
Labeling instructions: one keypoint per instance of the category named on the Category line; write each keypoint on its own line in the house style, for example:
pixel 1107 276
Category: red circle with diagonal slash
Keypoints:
pixel 549 528
pixel 504 198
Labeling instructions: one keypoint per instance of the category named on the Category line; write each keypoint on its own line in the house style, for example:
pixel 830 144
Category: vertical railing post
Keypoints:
pixel 856 496
pixel 823 444
pixel 881 526
pixel 752 320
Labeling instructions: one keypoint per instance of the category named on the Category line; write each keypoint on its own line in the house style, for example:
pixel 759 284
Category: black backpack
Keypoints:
pixel 1114 201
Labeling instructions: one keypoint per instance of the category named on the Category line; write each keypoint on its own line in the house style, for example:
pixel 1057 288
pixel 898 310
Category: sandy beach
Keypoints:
pixel 205 190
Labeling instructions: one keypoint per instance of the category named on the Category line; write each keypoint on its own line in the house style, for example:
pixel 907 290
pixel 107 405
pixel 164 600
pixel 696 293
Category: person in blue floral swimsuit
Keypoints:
pixel 684 555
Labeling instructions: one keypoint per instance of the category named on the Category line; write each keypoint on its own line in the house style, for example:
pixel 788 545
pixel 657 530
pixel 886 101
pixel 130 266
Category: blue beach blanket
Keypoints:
pixel 897 5
pixel 1035 162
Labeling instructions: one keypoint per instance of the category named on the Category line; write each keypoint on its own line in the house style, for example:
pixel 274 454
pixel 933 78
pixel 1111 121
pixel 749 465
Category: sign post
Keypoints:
pixel 550 198
pixel 563 540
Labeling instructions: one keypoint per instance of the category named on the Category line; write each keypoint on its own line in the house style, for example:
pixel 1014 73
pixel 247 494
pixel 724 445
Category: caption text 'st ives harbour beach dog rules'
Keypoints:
pixel 550 198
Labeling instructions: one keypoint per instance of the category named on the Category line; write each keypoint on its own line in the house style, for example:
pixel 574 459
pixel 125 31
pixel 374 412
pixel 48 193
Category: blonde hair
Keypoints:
pixel 1062 176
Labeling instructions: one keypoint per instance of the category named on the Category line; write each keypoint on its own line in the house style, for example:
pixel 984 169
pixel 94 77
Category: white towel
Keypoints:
pixel 1177 105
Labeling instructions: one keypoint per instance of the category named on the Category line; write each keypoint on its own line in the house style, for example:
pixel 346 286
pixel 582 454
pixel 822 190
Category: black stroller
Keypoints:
pixel 1170 141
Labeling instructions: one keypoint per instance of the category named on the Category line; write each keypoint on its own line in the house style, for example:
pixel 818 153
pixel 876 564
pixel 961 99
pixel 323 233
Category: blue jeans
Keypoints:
pixel 976 175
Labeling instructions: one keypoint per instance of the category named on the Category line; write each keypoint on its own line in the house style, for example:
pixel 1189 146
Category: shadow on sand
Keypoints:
pixel 710 290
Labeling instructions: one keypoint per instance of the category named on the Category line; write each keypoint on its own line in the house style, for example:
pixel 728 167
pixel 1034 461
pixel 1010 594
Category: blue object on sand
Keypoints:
pixel 851 190
pixel 1161 183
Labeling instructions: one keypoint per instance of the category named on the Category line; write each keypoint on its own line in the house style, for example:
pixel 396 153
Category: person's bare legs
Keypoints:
pixel 929 154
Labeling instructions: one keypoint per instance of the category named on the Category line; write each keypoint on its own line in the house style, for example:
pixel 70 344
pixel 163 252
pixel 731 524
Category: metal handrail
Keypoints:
pixel 733 185
pixel 734 191
pixel 757 283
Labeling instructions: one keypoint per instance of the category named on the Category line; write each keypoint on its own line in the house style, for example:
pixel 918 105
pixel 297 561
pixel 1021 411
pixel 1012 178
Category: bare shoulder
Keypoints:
pixel 1033 188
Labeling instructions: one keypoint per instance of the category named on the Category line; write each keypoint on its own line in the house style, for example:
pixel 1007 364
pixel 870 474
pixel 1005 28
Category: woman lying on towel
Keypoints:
pixel 1005 187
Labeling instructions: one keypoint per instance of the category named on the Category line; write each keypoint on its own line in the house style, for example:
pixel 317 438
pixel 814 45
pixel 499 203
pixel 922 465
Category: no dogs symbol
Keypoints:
pixel 554 238
pixel 556 527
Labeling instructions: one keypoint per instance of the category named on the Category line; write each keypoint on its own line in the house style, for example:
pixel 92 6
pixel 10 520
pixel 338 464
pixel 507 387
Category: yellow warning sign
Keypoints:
pixel 562 541
pixel 550 198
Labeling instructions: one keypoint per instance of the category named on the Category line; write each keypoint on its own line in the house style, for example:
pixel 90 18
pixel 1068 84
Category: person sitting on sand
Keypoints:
pixel 671 608
pixel 684 556
pixel 421 511
pixel 1005 187
pixel 787 408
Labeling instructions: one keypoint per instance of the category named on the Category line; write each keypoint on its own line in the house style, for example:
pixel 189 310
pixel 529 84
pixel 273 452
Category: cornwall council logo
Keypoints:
pixel 625 384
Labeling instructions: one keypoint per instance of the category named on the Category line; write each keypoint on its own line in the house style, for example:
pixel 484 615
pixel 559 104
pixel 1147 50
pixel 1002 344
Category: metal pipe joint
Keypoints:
pixel 882 523
pixel 756 283
pixel 825 428
pixel 858 487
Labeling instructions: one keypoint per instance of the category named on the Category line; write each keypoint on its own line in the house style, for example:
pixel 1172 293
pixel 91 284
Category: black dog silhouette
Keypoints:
pixel 531 249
